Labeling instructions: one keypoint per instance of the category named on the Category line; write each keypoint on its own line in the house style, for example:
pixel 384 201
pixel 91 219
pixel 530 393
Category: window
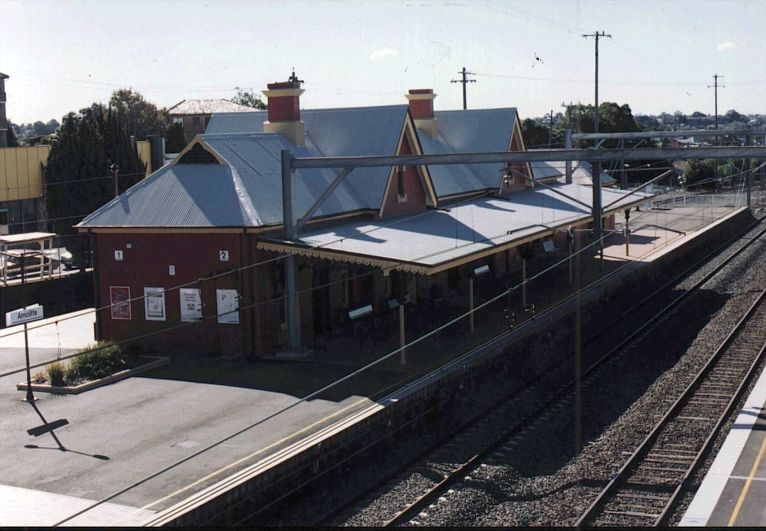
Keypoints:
pixel 4 217
pixel 401 192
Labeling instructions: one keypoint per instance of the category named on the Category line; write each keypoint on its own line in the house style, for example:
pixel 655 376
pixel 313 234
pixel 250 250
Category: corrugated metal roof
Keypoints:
pixel 208 106
pixel 353 131
pixel 474 130
pixel 582 172
pixel 256 159
pixel 185 195
pixel 439 236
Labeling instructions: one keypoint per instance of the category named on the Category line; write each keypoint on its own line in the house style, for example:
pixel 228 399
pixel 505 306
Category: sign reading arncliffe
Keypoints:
pixel 24 315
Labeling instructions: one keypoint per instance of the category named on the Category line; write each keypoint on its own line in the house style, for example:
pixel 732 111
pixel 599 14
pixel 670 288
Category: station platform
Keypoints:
pixel 733 492
pixel 139 445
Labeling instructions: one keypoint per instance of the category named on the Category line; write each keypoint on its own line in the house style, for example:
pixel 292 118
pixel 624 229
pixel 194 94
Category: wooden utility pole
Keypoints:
pixel 465 82
pixel 596 166
pixel 550 130
pixel 716 86
pixel 115 169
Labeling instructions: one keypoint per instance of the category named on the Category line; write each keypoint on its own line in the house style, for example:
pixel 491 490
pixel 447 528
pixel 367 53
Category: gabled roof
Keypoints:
pixel 209 106
pixel 475 130
pixel 351 131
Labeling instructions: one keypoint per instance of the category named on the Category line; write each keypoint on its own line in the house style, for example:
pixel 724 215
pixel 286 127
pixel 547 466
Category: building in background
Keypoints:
pixel 194 115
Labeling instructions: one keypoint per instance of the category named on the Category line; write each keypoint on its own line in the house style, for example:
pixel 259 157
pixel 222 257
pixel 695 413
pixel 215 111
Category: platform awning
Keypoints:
pixel 439 239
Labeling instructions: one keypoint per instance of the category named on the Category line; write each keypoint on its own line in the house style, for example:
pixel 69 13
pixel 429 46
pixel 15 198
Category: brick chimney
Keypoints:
pixel 3 119
pixel 422 110
pixel 284 109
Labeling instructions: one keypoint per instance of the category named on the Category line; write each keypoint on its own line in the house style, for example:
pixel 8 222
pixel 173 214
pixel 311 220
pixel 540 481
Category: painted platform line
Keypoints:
pixel 28 508
pixel 704 502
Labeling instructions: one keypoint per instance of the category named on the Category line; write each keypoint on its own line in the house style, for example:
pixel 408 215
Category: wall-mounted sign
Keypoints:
pixel 171 270
pixel 24 315
pixel 118 296
pixel 223 255
pixel 227 302
pixel 191 304
pixel 154 304
pixel 118 255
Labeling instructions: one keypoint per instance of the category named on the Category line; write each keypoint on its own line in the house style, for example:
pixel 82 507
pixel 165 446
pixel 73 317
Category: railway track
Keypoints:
pixel 646 487
pixel 444 476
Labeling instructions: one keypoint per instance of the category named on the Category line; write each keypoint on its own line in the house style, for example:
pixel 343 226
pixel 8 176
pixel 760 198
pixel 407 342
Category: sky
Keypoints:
pixel 63 55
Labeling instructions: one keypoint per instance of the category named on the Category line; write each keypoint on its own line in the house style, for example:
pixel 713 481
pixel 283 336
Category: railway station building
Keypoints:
pixel 384 236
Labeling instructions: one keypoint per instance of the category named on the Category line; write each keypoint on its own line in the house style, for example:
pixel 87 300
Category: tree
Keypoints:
pixel 534 133
pixel 249 98
pixel 174 138
pixel 140 117
pixel 77 173
pixel 734 116
pixel 52 126
pixel 698 170
pixel 10 137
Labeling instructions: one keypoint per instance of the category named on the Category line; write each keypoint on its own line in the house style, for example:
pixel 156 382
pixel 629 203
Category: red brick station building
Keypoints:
pixel 383 232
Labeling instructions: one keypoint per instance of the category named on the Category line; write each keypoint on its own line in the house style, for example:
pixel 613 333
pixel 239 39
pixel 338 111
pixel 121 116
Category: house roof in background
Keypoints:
pixel 208 106
pixel 582 172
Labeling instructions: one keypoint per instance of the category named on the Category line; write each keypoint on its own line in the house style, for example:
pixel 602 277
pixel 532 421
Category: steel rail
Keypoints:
pixel 425 499
pixel 646 445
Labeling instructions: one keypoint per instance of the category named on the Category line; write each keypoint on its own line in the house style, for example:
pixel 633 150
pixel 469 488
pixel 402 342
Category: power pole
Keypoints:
pixel 596 166
pixel 596 36
pixel 550 130
pixel 716 86
pixel 465 82
pixel 115 169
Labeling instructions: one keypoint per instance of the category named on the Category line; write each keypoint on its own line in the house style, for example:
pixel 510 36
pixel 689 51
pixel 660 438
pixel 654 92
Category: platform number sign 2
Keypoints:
pixel 223 255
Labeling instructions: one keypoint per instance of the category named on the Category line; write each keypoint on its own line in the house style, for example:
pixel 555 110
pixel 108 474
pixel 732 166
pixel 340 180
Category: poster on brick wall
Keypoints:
pixel 191 304
pixel 227 306
pixel 118 297
pixel 154 304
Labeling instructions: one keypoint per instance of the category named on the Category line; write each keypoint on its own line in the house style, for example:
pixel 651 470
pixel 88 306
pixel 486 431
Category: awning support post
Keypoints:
pixel 749 177
pixel 523 282
pixel 293 303
pixel 568 145
pixel 472 326
pixel 402 340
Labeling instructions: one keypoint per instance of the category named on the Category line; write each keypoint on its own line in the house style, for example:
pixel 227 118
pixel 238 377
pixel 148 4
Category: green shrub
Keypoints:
pixel 56 373
pixel 98 361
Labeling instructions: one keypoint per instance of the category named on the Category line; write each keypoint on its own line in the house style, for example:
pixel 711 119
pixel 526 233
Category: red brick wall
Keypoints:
pixel 416 196
pixel 145 264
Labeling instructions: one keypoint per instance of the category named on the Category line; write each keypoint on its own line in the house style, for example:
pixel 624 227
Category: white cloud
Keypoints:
pixel 728 45
pixel 379 55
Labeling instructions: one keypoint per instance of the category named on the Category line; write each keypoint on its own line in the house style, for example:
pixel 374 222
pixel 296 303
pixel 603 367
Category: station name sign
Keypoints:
pixel 24 315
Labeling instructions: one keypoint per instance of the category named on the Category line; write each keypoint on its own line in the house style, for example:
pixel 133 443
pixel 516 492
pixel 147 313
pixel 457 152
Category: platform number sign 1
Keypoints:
pixel 223 255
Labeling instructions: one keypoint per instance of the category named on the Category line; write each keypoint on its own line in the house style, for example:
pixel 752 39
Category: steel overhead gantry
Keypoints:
pixel 668 134
pixel 290 163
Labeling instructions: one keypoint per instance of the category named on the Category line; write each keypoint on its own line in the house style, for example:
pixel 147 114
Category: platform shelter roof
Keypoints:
pixel 440 239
